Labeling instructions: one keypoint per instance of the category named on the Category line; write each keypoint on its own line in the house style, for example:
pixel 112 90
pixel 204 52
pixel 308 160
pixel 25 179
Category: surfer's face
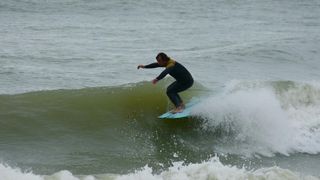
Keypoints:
pixel 161 62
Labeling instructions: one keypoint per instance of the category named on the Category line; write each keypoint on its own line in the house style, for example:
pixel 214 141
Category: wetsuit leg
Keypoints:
pixel 173 90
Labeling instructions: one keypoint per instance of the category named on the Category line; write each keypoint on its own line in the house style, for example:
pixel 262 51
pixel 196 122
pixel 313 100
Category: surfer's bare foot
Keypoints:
pixel 178 109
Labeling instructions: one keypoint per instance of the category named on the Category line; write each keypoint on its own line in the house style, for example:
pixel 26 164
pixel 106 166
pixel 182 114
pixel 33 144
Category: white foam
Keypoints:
pixel 8 173
pixel 212 169
pixel 257 121
pixel 67 175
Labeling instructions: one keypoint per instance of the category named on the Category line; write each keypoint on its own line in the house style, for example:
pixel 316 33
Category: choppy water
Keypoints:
pixel 74 106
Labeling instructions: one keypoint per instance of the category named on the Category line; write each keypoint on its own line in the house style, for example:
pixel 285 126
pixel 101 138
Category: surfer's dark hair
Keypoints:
pixel 163 56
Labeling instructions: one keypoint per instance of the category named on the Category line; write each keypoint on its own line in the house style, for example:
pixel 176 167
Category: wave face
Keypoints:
pixel 54 130
pixel 83 109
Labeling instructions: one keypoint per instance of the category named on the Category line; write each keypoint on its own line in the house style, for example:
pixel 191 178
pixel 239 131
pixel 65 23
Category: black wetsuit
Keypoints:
pixel 183 78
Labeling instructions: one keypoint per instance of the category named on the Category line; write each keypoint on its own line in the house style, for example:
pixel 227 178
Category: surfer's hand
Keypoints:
pixel 140 66
pixel 154 81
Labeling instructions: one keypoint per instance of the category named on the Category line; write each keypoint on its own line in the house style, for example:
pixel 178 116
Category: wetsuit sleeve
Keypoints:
pixel 152 65
pixel 164 73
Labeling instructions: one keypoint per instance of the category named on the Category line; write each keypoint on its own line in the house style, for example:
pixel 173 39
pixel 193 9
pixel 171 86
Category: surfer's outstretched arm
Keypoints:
pixel 152 65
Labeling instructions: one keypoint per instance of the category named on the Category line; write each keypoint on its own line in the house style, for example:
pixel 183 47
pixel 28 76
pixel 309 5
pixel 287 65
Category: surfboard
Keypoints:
pixel 185 113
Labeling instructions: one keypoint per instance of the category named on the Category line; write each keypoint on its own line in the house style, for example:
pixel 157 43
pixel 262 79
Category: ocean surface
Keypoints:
pixel 74 106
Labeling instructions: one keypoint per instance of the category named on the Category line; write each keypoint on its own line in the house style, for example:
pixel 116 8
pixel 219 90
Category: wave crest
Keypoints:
pixel 264 118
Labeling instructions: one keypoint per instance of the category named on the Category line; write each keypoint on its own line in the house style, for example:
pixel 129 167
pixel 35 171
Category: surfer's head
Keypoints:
pixel 162 59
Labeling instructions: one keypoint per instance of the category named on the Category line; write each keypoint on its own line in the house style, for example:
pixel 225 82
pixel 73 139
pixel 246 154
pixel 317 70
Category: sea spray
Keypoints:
pixel 264 118
pixel 252 120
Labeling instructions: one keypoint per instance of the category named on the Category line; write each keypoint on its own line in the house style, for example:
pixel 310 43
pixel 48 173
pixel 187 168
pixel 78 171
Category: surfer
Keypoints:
pixel 182 76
